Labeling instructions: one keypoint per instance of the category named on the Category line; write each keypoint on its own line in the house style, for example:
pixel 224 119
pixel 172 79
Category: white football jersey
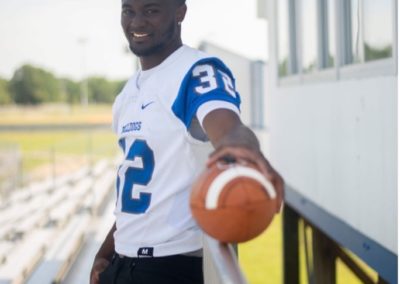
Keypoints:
pixel 152 116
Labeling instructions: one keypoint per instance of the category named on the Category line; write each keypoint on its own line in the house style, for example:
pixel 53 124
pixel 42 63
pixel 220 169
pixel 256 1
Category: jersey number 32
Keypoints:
pixel 137 176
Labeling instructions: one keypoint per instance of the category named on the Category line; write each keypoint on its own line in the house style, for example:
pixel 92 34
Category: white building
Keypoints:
pixel 331 112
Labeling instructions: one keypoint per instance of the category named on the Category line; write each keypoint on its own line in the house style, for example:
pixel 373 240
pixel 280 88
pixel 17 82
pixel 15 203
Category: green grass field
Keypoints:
pixel 55 114
pixel 261 258
pixel 48 152
pixel 40 147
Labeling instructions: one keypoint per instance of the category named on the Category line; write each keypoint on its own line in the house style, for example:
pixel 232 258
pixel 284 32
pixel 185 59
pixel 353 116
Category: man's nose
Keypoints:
pixel 137 22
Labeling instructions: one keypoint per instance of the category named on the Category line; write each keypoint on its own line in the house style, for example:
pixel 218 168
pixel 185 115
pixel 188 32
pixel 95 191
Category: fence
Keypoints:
pixel 10 168
pixel 82 148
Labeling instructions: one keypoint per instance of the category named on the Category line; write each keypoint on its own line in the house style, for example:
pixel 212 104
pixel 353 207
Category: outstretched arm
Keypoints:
pixel 230 137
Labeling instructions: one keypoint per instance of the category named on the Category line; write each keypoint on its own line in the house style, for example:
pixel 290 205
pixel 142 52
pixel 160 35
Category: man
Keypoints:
pixel 165 118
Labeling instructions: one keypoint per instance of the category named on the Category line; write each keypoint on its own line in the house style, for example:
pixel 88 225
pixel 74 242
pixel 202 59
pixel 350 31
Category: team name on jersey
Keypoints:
pixel 132 126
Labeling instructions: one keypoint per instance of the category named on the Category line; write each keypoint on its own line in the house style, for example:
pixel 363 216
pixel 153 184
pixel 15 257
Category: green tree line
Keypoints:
pixel 31 85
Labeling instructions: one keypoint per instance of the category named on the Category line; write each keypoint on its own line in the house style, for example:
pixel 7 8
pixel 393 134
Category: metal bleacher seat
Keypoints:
pixel 5 248
pixel 101 188
pixel 81 187
pixel 36 220
pixel 65 246
pixel 27 192
pixel 100 167
pixel 42 226
pixel 21 262
pixel 18 213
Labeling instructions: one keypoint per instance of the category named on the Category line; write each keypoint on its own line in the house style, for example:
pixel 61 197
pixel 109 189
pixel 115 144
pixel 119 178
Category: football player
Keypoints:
pixel 180 104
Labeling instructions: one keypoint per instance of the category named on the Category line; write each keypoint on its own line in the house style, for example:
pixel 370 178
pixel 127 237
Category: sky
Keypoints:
pixel 79 38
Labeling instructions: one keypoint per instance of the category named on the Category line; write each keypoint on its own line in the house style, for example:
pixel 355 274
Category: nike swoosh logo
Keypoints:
pixel 146 105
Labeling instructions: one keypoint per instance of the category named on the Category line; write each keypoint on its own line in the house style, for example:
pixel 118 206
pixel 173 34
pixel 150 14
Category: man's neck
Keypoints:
pixel 148 62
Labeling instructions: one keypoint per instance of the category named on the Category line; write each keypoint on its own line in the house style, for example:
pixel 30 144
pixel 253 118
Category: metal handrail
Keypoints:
pixel 224 262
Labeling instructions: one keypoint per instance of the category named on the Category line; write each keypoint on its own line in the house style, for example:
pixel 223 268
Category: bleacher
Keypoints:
pixel 44 225
pixel 47 225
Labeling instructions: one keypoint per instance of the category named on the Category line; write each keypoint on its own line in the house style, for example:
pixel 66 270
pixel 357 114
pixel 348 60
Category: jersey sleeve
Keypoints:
pixel 207 81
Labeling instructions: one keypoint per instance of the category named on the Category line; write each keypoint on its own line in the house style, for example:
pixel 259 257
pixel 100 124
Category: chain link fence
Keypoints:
pixel 10 168
pixel 18 168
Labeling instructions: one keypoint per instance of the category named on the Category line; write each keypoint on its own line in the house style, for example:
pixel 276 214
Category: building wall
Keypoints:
pixel 334 139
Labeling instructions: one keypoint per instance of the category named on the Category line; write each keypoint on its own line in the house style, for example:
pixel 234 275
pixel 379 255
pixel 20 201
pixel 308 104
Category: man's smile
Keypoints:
pixel 137 35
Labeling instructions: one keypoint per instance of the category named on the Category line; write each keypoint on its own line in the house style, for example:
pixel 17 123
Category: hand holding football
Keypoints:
pixel 233 203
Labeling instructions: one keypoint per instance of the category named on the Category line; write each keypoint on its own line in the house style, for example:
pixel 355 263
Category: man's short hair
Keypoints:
pixel 181 2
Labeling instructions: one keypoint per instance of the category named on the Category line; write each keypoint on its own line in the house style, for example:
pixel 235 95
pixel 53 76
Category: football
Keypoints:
pixel 232 202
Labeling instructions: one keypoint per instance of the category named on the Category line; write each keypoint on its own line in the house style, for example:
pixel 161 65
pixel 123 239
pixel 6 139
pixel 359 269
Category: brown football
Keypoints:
pixel 233 203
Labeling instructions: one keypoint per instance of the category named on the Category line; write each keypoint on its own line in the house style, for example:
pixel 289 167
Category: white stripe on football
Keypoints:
pixel 233 172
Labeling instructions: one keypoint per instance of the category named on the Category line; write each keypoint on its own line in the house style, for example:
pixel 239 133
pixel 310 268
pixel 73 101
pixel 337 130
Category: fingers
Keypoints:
pixel 94 279
pixel 99 266
pixel 279 186
pixel 240 154
pixel 243 155
pixel 94 276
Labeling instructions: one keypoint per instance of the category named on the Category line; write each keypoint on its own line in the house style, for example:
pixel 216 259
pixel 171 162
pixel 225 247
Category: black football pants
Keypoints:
pixel 176 269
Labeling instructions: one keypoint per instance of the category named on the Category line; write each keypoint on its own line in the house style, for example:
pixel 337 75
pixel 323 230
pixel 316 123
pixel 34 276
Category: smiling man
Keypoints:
pixel 169 115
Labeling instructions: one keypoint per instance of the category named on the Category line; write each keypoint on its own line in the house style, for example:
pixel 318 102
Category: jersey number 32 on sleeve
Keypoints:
pixel 137 176
pixel 208 79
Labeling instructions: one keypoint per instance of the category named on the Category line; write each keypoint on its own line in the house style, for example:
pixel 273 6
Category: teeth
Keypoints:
pixel 139 35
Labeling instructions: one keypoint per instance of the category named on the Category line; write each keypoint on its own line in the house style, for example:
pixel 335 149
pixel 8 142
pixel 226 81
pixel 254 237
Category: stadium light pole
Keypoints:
pixel 84 85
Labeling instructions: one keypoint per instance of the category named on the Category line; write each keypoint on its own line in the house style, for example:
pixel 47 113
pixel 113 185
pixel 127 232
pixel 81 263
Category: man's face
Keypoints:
pixel 150 25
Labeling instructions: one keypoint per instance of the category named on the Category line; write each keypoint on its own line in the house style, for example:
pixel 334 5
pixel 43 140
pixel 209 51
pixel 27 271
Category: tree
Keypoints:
pixel 72 91
pixel 100 90
pixel 32 85
pixel 118 85
pixel 374 53
pixel 5 96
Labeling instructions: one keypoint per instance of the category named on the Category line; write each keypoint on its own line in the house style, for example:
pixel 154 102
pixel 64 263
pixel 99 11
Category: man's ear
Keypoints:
pixel 180 13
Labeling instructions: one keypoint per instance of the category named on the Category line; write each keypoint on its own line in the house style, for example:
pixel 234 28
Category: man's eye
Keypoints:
pixel 127 12
pixel 151 11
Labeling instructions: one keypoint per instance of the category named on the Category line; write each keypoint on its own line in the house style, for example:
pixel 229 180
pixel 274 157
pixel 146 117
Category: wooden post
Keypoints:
pixel 323 258
pixel 291 258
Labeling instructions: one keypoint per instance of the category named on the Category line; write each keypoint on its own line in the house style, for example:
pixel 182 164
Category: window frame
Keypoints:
pixel 292 67
pixel 364 69
pixel 342 69
pixel 295 48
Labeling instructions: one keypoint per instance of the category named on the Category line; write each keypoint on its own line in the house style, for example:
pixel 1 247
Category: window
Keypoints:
pixel 283 38
pixel 287 38
pixel 371 30
pixel 326 20
pixel 309 24
pixel 331 35
pixel 257 94
pixel 378 30
pixel 312 35
pixel 356 31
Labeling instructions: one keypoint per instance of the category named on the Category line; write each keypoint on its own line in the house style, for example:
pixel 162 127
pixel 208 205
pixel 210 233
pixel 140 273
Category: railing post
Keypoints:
pixel 324 258
pixel 290 246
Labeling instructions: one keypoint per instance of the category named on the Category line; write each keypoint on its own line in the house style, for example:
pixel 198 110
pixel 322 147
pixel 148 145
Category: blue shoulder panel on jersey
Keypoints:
pixel 207 80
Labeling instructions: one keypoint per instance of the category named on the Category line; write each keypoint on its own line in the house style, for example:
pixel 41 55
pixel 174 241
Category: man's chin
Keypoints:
pixel 144 51
pixel 137 51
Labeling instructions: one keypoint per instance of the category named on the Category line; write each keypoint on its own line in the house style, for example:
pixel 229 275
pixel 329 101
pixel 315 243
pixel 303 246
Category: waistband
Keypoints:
pixel 196 253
